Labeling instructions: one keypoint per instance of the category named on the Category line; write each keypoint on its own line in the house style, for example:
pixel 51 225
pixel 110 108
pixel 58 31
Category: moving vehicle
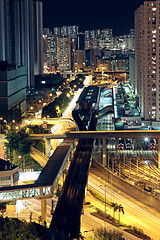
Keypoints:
pixel 128 144
pixel 151 144
pixel 120 145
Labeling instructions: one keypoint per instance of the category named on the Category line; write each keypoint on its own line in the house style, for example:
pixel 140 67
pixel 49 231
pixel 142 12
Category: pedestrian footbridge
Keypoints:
pixel 46 183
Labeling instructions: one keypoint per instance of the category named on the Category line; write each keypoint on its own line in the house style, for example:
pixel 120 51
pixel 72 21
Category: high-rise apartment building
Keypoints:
pixel 102 39
pixel 13 83
pixel 38 37
pixel 57 31
pixel 79 59
pixel 106 39
pixel 17 28
pixel 64 53
pixel 50 51
pixel 147 59
pixel 68 31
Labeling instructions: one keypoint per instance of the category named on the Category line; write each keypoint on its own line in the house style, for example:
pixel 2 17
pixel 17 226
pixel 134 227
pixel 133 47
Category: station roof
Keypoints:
pixel 89 95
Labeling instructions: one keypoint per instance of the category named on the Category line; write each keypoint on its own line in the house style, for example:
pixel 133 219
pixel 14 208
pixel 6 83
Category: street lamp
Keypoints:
pixel 146 139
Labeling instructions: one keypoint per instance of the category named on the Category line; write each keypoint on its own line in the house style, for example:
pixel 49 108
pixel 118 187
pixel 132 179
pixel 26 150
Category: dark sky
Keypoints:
pixel 87 14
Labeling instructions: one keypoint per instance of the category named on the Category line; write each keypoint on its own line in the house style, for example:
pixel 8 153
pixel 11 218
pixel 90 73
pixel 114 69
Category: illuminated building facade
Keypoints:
pixel 20 24
pixel 9 174
pixel 38 37
pixel 13 83
pixel 147 59
pixel 64 53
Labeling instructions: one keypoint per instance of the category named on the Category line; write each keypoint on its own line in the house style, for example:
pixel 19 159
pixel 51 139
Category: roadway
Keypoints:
pixel 38 156
pixel 136 213
pixel 61 129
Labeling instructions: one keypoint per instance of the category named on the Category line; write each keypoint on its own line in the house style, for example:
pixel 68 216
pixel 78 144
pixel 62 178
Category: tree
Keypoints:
pixel 104 234
pixel 2 208
pixel 15 229
pixel 121 209
pixel 19 142
pixel 115 208
pixel 18 146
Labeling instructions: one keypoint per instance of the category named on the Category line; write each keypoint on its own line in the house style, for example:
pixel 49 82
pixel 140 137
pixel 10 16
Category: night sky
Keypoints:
pixel 88 15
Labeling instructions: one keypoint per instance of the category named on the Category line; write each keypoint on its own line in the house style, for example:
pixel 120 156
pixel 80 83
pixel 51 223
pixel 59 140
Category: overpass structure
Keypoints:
pixel 98 72
pixel 46 183
pixel 52 121
pixel 39 157
pixel 131 134
pixel 65 223
pixel 155 134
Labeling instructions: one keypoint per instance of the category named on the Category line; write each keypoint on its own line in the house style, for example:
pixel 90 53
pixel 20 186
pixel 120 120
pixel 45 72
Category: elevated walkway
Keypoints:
pixel 47 181
pixel 52 121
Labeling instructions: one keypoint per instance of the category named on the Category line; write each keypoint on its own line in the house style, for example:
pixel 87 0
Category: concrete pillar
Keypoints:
pixel 116 143
pixel 44 209
pixel 104 152
pixel 158 152
pixel 47 147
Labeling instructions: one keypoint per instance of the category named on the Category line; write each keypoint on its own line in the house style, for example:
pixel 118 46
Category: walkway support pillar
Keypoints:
pixel 47 147
pixel 44 209
pixel 104 157
pixel 158 152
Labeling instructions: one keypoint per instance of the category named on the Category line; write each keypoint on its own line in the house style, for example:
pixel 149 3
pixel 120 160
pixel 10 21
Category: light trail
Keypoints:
pixel 56 128
pixel 94 184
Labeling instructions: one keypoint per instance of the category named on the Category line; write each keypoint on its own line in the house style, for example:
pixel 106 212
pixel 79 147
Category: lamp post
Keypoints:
pixel 105 200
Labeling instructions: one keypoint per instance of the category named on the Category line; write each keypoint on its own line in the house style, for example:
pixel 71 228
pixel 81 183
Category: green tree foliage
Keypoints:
pixel 61 102
pixel 77 83
pixel 121 210
pixel 104 234
pixel 15 229
pixel 19 148
pixel 2 208
pixel 19 142
pixel 115 207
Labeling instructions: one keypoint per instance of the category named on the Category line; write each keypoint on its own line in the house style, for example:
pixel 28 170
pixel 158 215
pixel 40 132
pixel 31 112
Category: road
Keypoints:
pixel 136 213
pixel 89 222
pixel 39 156
pixel 60 129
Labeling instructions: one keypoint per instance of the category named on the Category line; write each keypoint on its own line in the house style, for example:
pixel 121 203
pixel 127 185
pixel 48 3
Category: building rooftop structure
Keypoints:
pixel 89 95
pixel 9 173
pixel 6 165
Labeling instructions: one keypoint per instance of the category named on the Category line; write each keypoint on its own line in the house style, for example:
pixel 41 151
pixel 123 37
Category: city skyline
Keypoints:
pixel 89 16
